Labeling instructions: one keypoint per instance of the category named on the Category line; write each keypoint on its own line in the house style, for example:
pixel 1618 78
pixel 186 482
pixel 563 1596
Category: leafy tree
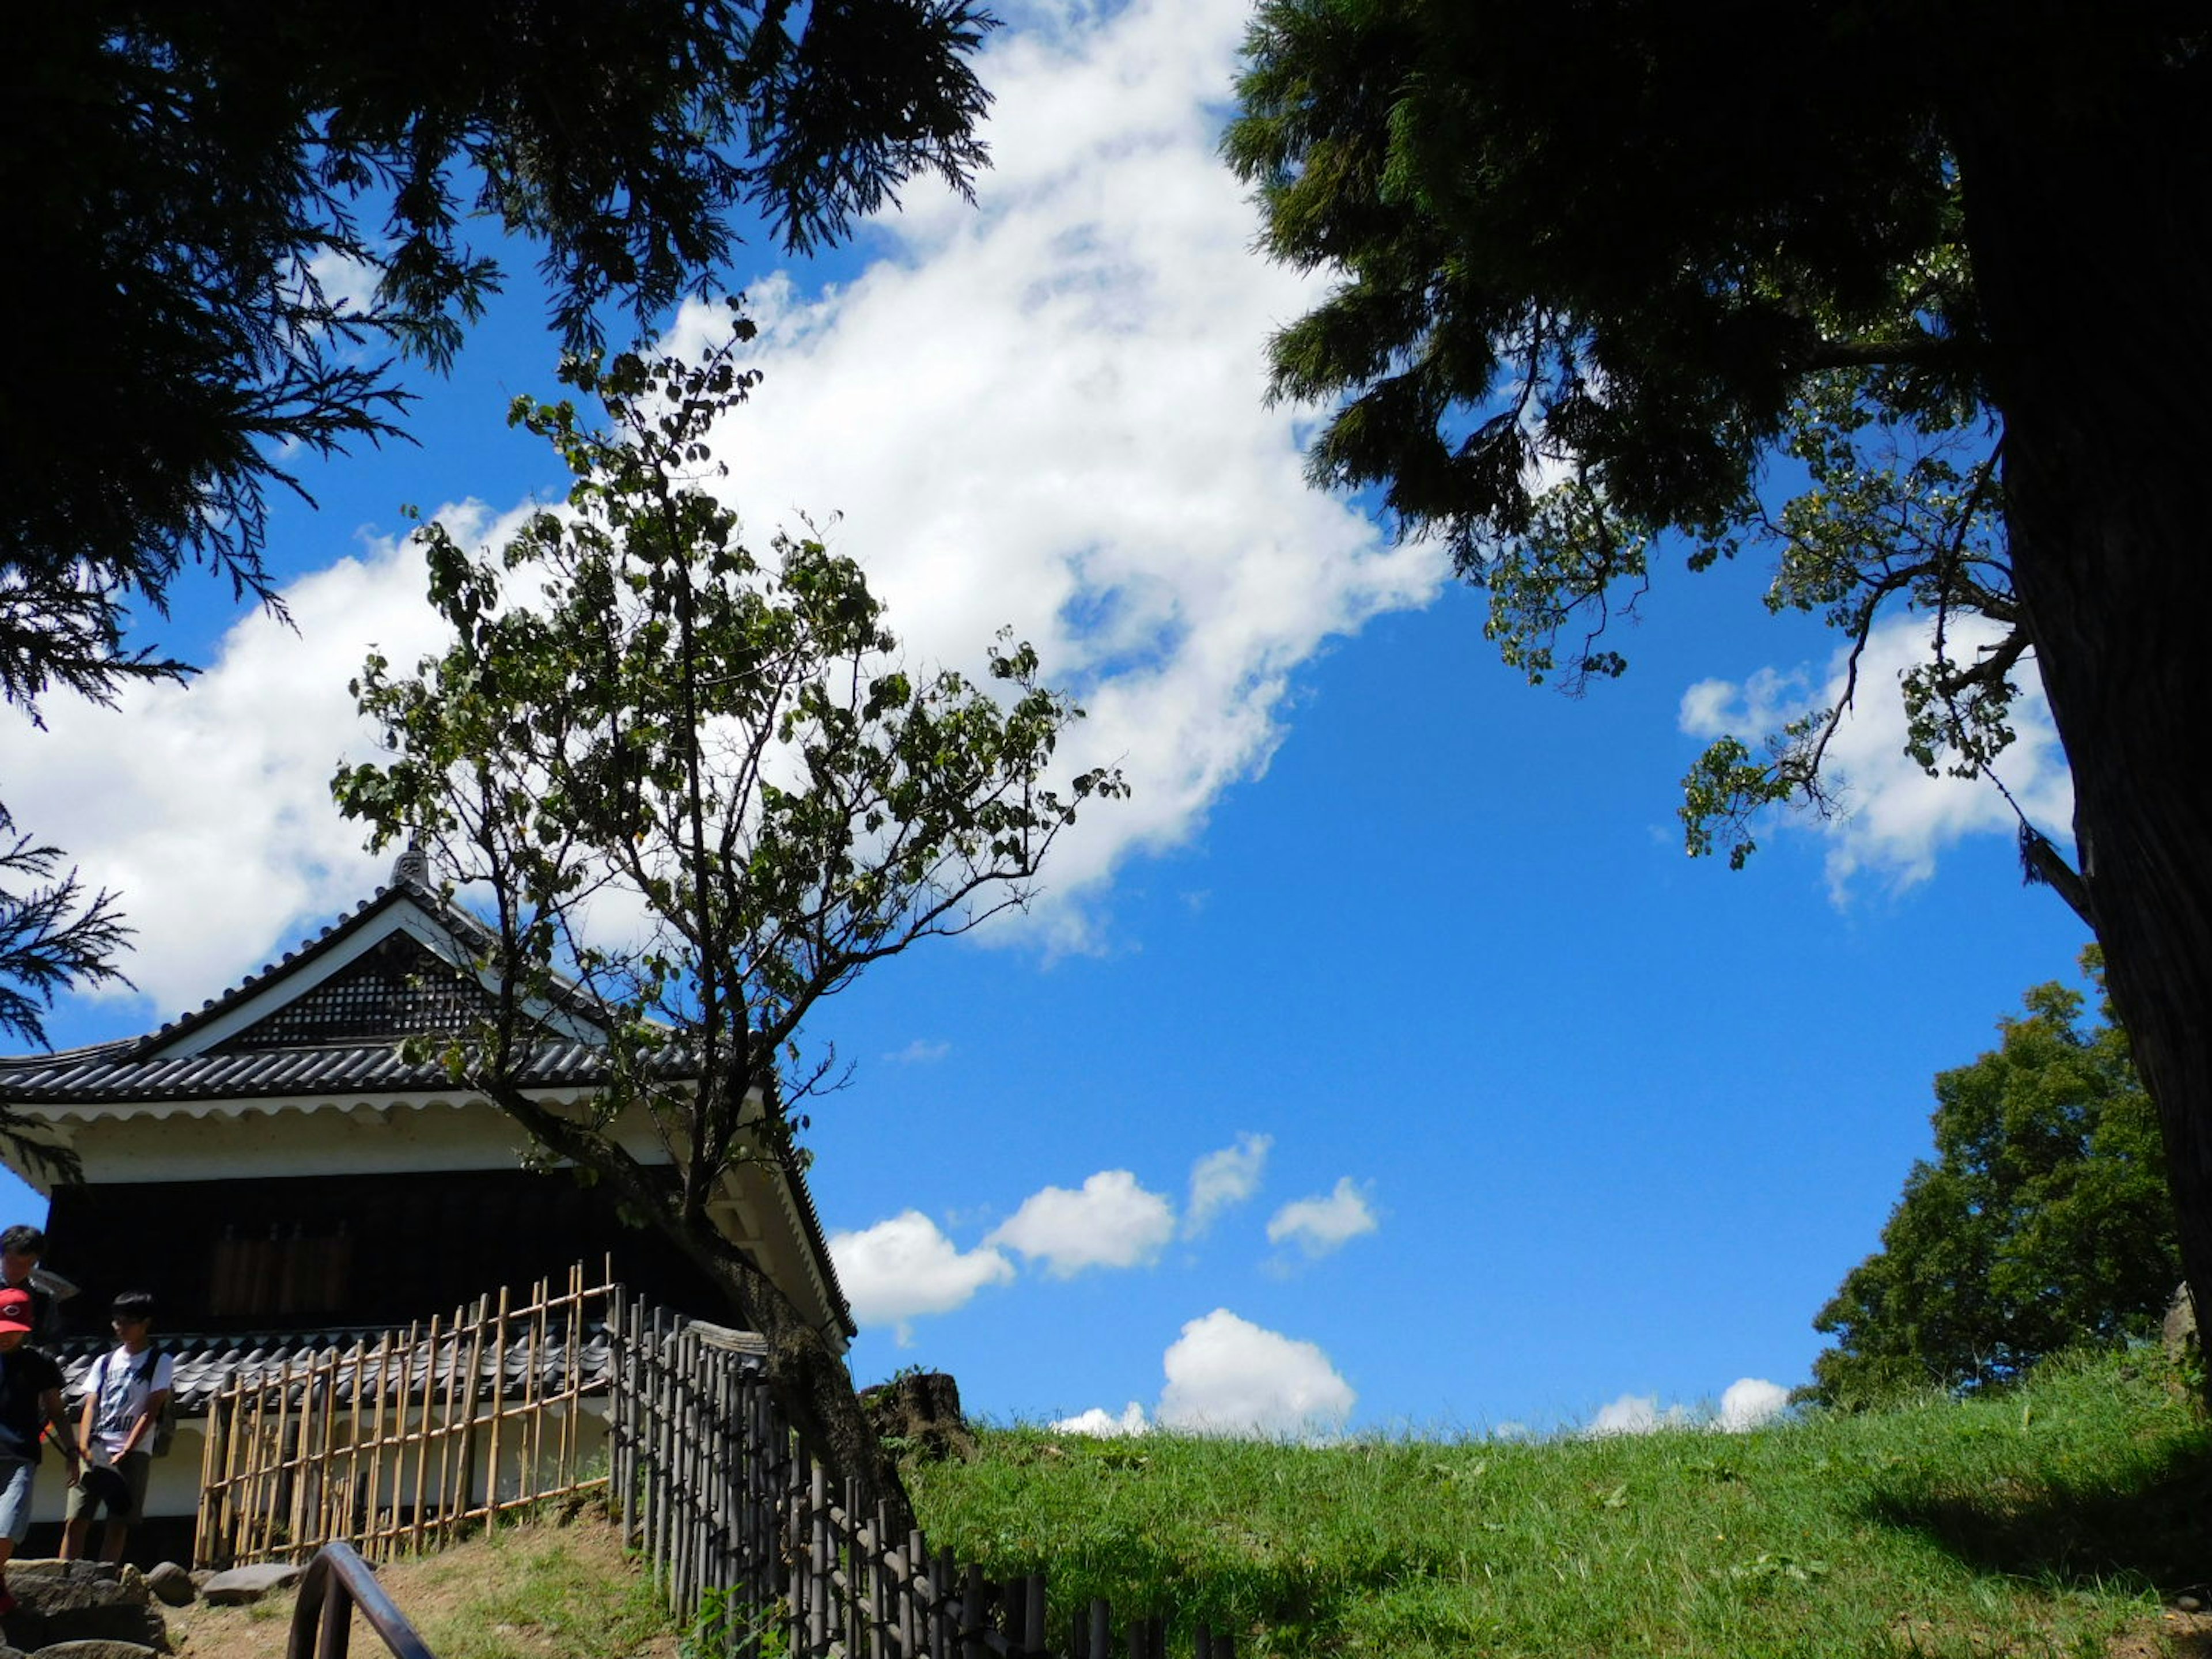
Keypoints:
pixel 696 784
pixel 193 191
pixel 2043 1220
pixel 1612 273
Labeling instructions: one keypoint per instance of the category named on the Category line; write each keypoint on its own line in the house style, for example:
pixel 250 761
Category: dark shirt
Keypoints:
pixel 24 1376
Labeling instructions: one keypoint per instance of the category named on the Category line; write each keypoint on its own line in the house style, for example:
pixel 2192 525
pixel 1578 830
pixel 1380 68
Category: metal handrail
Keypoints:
pixel 336 1582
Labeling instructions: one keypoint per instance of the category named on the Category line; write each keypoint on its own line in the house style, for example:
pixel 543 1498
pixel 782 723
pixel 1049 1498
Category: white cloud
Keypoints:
pixel 1319 1226
pixel 350 284
pixel 1637 1413
pixel 1064 429
pixel 922 1051
pixel 1103 1424
pixel 1228 1376
pixel 1751 1403
pixel 1897 819
pixel 1046 410
pixel 903 1267
pixel 1111 1223
pixel 207 807
pixel 1223 1178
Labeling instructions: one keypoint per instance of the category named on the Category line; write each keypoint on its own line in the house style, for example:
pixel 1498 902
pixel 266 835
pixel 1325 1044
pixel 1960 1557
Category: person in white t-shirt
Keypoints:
pixel 124 1392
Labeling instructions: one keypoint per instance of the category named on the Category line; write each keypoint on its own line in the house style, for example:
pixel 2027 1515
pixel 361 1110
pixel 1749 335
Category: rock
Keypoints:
pixel 239 1585
pixel 96 1650
pixel 921 1411
pixel 171 1583
pixel 61 1603
pixel 2179 1331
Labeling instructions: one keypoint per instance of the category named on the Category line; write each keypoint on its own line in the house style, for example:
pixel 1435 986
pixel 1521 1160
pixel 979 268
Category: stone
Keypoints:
pixel 170 1584
pixel 920 1410
pixel 96 1650
pixel 63 1602
pixel 2179 1330
pixel 239 1585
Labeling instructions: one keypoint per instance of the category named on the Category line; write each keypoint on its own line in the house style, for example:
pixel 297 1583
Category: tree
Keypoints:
pixel 2043 1220
pixel 695 787
pixel 1606 269
pixel 193 190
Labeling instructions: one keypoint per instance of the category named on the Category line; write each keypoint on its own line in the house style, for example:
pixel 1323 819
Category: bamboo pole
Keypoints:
pixel 498 1409
pixel 421 1447
pixel 356 1526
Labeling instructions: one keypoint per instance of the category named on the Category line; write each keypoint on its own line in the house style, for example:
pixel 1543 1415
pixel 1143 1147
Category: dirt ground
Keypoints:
pixel 532 1593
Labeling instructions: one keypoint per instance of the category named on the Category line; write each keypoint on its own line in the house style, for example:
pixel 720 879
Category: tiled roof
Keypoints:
pixel 111 1072
pixel 204 1365
pixel 464 928
pixel 326 1041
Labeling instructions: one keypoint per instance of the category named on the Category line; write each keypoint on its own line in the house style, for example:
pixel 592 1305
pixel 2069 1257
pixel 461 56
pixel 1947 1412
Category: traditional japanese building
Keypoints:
pixel 281 1178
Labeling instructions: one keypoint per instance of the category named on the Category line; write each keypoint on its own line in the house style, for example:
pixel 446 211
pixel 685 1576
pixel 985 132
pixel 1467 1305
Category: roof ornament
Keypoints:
pixel 412 867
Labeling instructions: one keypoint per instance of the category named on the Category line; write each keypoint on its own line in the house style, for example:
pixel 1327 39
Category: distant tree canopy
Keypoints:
pixel 194 193
pixel 2043 1221
pixel 1608 273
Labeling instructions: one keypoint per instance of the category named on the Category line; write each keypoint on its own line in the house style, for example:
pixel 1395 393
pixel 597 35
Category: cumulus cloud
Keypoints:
pixel 1065 430
pixel 1748 1403
pixel 1221 1179
pixel 1111 1222
pixel 1046 410
pixel 1751 1403
pixel 1103 1424
pixel 1637 1413
pixel 1228 1376
pixel 1320 1226
pixel 1896 819
pixel 207 807
pixel 903 1267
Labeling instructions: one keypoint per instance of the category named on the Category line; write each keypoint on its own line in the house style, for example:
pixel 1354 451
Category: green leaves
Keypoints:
pixel 1594 296
pixel 2042 1220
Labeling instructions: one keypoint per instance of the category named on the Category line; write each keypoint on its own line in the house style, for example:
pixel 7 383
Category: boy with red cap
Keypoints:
pixel 30 1402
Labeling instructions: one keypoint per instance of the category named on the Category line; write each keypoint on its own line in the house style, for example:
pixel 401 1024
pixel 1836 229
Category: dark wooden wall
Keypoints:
pixel 307 1251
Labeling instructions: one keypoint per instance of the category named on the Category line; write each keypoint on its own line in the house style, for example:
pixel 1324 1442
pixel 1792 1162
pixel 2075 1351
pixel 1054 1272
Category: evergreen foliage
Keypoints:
pixel 2043 1220
pixel 1609 274
pixel 194 192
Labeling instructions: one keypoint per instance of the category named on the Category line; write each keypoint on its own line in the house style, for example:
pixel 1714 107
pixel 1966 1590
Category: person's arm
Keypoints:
pixel 90 1418
pixel 51 1403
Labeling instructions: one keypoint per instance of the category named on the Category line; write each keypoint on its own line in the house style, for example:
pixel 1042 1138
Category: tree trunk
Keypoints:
pixel 2085 219
pixel 811 1382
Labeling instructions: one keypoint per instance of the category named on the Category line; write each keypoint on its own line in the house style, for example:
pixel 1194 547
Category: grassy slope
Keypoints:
pixel 538 1591
pixel 2049 1521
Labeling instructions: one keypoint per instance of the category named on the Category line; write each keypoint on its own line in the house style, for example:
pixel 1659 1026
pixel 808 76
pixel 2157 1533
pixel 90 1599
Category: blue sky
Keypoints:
pixel 1383 1060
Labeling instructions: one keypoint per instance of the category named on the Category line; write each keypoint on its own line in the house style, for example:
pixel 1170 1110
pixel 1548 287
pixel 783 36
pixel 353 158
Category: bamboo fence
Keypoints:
pixel 745 1525
pixel 393 1445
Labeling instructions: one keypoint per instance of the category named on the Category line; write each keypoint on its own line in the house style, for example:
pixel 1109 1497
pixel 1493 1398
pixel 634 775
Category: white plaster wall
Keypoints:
pixel 225 1141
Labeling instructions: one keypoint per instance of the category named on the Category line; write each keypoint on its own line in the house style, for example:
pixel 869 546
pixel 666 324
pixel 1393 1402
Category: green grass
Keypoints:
pixel 2047 1521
